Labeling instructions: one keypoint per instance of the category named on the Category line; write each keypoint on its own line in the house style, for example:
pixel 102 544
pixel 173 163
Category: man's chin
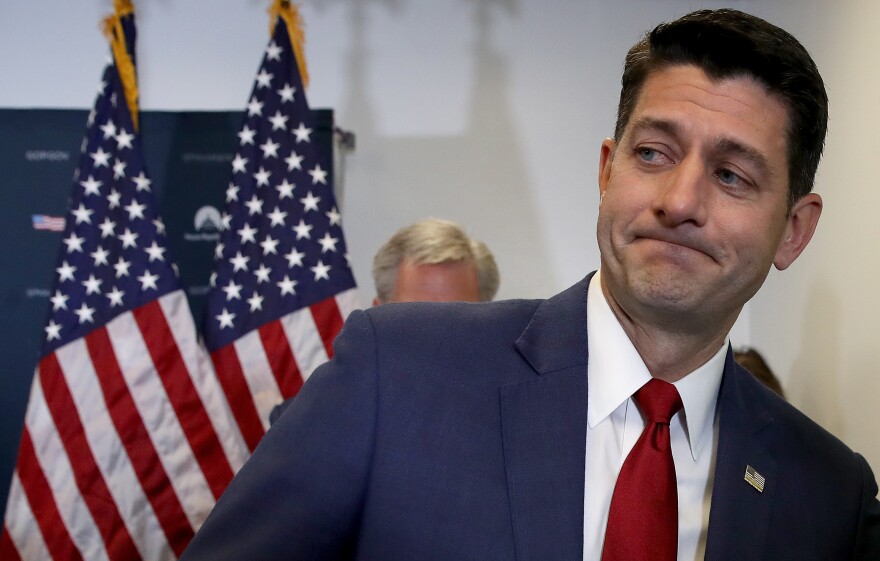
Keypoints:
pixel 667 292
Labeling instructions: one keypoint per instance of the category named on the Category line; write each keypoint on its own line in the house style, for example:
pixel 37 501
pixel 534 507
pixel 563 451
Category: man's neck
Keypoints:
pixel 670 348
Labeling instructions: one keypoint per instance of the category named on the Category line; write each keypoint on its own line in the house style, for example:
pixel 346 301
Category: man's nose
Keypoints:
pixel 683 194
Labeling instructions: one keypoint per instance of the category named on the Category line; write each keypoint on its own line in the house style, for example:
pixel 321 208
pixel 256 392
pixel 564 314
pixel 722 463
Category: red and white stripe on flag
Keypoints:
pixel 269 364
pixel 127 444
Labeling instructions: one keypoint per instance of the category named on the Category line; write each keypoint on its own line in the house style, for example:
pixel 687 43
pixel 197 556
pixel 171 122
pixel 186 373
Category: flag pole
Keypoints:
pixel 287 11
pixel 124 65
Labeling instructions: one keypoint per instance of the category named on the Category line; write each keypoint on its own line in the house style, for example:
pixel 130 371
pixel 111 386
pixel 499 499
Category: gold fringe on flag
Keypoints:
pixel 124 65
pixel 288 12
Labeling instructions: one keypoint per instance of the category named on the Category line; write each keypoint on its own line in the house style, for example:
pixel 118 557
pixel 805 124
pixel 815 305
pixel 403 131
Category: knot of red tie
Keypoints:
pixel 658 400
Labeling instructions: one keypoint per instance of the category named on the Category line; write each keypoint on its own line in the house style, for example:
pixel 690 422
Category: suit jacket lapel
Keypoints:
pixel 740 514
pixel 543 424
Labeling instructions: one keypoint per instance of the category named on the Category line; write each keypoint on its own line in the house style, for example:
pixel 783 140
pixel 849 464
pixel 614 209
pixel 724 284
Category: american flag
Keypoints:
pixel 47 222
pixel 128 441
pixel 282 285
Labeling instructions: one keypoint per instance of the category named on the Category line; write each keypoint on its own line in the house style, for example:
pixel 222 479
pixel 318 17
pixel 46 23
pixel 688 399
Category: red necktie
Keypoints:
pixel 643 520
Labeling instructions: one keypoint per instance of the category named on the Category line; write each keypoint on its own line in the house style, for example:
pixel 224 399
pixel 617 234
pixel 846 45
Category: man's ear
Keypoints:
pixel 376 301
pixel 606 156
pixel 802 222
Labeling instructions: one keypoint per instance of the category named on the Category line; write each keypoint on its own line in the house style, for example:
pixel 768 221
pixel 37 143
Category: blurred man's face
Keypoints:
pixel 443 282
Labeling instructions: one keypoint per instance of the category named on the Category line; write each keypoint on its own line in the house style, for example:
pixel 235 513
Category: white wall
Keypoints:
pixel 491 113
pixel 820 318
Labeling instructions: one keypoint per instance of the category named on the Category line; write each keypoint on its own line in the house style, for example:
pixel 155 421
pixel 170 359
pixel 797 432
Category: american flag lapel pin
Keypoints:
pixel 755 479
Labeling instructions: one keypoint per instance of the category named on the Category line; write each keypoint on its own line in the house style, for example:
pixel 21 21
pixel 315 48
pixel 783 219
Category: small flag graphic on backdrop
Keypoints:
pixel 47 222
pixel 282 285
pixel 127 441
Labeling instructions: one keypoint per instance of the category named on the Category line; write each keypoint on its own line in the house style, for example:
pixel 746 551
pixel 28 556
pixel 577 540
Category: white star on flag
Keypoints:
pixel 142 182
pixel 53 331
pixel 156 252
pixel 270 149
pixel 124 139
pixel 91 186
pixel 239 262
pixel 233 291
pixel 115 297
pixel 294 161
pixel 318 175
pixel 279 121
pixel 239 164
pixel 256 302
pixel 135 210
pixel 262 176
pixel 225 318
pixel 101 158
pixel 100 256
pixel 59 301
pixel 321 271
pixel 92 285
pixel 65 271
pixel 262 273
pixel 273 52
pixel 302 133
pixel 82 214
pixel 286 93
pixel 74 243
pixel 328 243
pixel 85 313
pixel 119 169
pixel 310 202
pixel 246 135
pixel 148 281
pixel 285 189
pixel 276 217
pixel 264 79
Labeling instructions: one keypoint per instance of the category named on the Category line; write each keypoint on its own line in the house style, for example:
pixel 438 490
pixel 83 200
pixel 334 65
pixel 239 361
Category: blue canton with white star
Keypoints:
pixel 114 254
pixel 282 246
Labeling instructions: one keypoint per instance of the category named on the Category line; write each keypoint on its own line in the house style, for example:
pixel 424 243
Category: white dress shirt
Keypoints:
pixel 614 424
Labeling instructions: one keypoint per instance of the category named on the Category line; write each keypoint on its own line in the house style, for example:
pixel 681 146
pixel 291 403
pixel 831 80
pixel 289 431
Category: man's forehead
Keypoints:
pixel 744 88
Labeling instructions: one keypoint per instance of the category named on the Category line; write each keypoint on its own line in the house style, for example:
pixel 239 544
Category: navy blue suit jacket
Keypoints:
pixel 457 432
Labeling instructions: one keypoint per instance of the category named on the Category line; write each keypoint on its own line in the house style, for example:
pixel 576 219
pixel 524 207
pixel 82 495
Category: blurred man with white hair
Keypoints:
pixel 434 260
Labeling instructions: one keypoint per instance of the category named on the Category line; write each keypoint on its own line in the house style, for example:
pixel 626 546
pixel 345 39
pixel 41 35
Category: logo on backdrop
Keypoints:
pixel 207 219
pixel 46 155
pixel 206 223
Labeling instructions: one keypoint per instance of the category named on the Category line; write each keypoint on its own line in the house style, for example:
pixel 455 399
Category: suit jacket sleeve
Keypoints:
pixel 300 495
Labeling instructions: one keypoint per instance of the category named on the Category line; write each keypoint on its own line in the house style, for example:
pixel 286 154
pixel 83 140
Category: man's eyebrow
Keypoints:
pixel 650 123
pixel 728 145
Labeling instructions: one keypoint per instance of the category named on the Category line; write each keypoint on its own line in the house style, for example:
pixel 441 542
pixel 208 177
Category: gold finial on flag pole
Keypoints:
pixel 287 11
pixel 124 65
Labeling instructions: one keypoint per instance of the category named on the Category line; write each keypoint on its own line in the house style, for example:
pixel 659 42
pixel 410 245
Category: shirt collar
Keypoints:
pixel 615 371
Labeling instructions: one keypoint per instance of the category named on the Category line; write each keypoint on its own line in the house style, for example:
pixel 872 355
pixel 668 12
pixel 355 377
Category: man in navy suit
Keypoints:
pixel 497 431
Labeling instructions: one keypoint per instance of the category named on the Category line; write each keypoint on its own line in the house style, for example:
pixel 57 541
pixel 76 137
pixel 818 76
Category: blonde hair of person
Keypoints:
pixel 429 242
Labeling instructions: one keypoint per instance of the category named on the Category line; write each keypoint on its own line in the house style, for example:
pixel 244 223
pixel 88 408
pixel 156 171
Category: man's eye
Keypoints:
pixel 727 177
pixel 648 154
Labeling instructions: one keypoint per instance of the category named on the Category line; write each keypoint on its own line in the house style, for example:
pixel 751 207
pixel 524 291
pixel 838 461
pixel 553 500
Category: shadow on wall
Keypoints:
pixel 476 178
pixel 814 383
